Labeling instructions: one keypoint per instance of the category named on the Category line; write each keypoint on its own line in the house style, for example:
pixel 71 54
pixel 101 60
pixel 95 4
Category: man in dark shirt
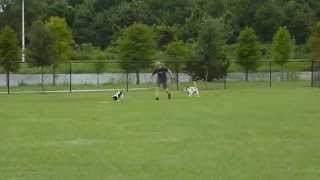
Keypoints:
pixel 162 79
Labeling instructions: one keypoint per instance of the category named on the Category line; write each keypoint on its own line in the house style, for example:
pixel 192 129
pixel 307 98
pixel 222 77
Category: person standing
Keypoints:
pixel 162 74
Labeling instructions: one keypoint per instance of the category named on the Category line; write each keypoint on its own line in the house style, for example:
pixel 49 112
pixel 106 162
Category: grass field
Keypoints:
pixel 241 133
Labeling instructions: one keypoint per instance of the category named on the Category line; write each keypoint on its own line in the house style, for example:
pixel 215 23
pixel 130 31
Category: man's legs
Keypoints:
pixel 157 92
pixel 169 93
pixel 165 87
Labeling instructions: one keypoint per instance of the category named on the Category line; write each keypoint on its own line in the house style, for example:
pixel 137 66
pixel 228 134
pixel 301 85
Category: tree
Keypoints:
pixel 210 50
pixel 101 5
pixel 165 35
pixel 243 13
pixel 268 18
pixel 177 53
pixel 137 44
pixel 314 42
pixel 85 52
pixel 63 38
pixel 298 19
pixel 9 51
pixel 88 52
pixel 83 26
pixel 216 8
pixel 99 67
pixel 190 30
pixel 58 8
pixel 11 15
pixel 168 11
pixel 40 50
pixel 63 41
pixel 282 46
pixel 248 51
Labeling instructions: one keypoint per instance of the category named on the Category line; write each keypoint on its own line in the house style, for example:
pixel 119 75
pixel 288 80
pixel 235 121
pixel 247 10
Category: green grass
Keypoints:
pixel 215 85
pixel 219 84
pixel 241 133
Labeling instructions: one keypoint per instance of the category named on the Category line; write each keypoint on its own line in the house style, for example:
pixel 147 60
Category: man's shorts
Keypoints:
pixel 162 84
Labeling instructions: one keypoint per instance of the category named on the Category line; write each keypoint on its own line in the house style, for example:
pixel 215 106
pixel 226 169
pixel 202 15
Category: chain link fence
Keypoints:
pixel 86 76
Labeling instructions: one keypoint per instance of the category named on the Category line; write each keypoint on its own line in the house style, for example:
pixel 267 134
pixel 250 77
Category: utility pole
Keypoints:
pixel 23 34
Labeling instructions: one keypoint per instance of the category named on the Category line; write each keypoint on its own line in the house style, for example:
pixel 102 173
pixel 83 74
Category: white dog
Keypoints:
pixel 118 96
pixel 192 91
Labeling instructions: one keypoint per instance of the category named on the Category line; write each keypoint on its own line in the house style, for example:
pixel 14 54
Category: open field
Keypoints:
pixel 241 133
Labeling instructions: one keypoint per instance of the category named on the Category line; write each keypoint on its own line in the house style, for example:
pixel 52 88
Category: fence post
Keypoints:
pixel 225 81
pixel 270 74
pixel 8 81
pixel 312 75
pixel 177 80
pixel 318 73
pixel 42 89
pixel 97 79
pixel 70 77
pixel 247 70
pixel 127 81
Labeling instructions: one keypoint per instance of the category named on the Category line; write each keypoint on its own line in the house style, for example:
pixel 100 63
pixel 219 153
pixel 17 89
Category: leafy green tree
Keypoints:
pixel 100 22
pixel 40 49
pixel 100 66
pixel 210 60
pixel 60 8
pixel 9 50
pixel 229 27
pixel 138 45
pixel 103 29
pixel 165 35
pixel 268 18
pixel 108 24
pixel 11 14
pixel 314 42
pixel 40 52
pixel 243 13
pixel 177 53
pixel 168 11
pixel 74 2
pixel 248 51
pixel 211 43
pixel 83 26
pixel 99 55
pixel 282 46
pixel 101 5
pixel 190 30
pixel 215 8
pixel 298 19
pixel 88 52
pixel 63 41
pixel 84 52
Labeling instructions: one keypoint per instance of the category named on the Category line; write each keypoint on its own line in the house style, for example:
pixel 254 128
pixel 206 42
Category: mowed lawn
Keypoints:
pixel 234 134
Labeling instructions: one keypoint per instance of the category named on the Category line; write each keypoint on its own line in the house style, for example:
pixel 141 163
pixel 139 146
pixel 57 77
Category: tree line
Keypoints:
pixel 99 21
pixel 196 31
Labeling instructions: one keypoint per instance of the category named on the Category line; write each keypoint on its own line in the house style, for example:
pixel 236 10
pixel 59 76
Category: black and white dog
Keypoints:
pixel 191 91
pixel 118 96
